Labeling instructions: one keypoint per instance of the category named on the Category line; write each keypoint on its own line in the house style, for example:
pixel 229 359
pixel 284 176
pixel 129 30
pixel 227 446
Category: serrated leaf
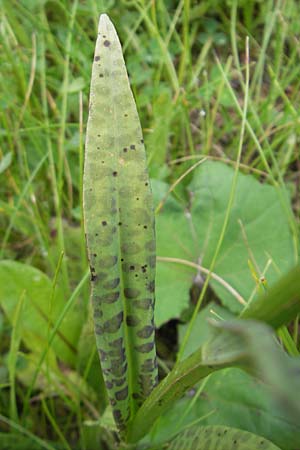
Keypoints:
pixel 119 224
pixel 219 438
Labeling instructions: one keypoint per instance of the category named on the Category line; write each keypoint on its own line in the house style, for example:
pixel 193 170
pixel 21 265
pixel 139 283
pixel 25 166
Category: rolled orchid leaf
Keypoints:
pixel 119 225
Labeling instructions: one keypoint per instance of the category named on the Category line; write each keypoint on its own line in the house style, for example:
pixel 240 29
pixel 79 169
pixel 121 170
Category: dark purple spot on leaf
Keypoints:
pixel 122 394
pixel 145 303
pixel 119 382
pixel 145 348
pixel 111 284
pixel 131 292
pixel 112 325
pixel 132 321
pixel 145 332
pixel 111 297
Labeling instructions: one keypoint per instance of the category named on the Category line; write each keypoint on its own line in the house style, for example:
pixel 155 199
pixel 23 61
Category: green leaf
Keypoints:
pixel 40 311
pixel 233 398
pixel 280 304
pixel 119 224
pixel 238 343
pixel 192 234
pixel 173 281
pixel 219 438
pixel 253 346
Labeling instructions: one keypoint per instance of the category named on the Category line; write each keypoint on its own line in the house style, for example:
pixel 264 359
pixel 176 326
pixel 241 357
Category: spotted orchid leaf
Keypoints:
pixel 119 225
pixel 219 438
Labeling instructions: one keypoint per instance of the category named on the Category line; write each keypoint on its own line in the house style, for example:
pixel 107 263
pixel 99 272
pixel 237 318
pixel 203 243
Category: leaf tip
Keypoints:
pixel 104 21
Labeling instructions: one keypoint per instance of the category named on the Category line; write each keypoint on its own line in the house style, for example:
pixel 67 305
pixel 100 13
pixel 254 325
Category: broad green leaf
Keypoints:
pixel 119 224
pixel 173 281
pixel 40 311
pixel 255 348
pixel 192 234
pixel 241 343
pixel 219 438
pixel 233 398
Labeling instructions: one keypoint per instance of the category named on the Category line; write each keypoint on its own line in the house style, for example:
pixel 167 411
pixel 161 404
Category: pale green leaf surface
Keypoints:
pixel 219 438
pixel 119 225
pixel 38 315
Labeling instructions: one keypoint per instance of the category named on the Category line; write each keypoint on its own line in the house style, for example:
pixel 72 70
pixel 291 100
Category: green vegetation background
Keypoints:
pixel 173 51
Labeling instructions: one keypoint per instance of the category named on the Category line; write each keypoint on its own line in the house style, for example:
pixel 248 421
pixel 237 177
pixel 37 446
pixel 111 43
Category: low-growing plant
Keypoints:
pixel 119 225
